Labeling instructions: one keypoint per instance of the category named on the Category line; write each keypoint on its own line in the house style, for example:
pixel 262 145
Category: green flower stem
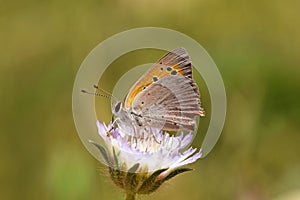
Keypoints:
pixel 130 196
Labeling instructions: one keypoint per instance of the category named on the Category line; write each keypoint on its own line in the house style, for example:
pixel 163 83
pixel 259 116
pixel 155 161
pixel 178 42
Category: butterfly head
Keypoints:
pixel 123 118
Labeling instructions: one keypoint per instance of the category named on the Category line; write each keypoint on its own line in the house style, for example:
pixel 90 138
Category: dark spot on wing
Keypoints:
pixel 155 79
pixel 174 72
pixel 169 68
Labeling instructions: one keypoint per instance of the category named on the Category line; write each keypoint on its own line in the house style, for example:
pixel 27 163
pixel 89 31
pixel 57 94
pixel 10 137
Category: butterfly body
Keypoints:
pixel 165 97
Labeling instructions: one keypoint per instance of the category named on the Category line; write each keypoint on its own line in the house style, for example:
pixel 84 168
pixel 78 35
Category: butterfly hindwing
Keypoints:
pixel 170 104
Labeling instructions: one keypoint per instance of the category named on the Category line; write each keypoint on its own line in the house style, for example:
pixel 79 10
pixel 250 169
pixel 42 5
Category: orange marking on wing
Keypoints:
pixel 178 69
pixel 148 80
pixel 132 95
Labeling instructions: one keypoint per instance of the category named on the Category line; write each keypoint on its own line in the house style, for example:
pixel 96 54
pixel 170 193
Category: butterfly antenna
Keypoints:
pixel 107 93
pixel 96 94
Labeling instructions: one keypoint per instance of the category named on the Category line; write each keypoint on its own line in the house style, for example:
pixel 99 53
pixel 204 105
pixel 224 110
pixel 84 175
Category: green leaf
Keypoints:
pixel 134 168
pixel 116 159
pixel 158 183
pixel 102 151
pixel 176 172
pixel 150 182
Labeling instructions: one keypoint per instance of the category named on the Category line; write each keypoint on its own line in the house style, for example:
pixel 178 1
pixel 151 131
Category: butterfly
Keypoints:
pixel 165 97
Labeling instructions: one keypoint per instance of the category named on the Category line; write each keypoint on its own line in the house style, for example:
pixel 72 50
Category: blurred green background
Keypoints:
pixel 255 44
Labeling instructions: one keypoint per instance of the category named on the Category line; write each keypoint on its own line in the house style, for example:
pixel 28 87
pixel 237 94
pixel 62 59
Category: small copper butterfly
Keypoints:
pixel 165 97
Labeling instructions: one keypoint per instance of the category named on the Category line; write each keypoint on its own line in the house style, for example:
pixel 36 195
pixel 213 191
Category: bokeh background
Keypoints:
pixel 254 43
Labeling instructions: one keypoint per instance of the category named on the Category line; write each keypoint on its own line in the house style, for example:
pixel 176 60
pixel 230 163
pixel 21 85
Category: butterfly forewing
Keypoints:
pixel 175 63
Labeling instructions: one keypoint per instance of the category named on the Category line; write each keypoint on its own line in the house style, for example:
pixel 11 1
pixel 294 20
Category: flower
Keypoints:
pixel 139 165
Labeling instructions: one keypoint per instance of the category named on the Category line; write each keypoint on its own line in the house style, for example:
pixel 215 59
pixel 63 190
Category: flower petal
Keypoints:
pixel 146 150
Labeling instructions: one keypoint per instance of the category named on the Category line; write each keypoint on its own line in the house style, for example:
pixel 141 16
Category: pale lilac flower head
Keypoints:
pixel 140 164
pixel 152 150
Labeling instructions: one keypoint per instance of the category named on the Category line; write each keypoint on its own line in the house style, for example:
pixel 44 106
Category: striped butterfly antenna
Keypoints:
pixel 96 94
pixel 106 93
pixel 100 93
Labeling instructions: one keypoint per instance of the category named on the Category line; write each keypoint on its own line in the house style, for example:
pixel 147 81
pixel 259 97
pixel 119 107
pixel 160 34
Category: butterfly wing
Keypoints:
pixel 171 103
pixel 174 63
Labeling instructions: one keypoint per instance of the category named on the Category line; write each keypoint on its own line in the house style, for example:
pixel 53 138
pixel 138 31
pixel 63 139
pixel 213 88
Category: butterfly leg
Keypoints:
pixel 135 134
pixel 154 136
pixel 113 124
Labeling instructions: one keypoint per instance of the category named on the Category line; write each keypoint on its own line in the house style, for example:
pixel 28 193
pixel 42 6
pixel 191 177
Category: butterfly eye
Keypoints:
pixel 118 107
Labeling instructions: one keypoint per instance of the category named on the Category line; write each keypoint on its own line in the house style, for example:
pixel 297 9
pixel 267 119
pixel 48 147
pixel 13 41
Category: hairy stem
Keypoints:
pixel 130 196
